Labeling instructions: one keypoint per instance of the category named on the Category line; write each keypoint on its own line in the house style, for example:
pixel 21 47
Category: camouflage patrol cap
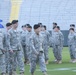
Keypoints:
pixel 73 25
pixel 8 24
pixel 54 23
pixel 58 27
pixel 36 26
pixel 14 21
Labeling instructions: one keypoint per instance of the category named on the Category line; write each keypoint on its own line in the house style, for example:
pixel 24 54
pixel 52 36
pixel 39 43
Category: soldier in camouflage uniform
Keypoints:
pixel 23 40
pixel 46 36
pixel 57 43
pixel 72 45
pixel 37 52
pixel 28 35
pixel 15 48
pixel 2 54
pixel 54 25
pixel 6 46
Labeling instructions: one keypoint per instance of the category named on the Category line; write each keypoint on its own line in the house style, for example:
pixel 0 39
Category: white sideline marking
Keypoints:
pixel 61 69
pixel 74 70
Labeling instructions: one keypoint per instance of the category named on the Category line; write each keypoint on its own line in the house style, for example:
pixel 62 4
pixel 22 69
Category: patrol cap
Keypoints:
pixel 40 24
pixel 23 26
pixel 14 21
pixel 29 26
pixel 54 23
pixel 36 26
pixel 73 25
pixel 8 24
pixel 57 27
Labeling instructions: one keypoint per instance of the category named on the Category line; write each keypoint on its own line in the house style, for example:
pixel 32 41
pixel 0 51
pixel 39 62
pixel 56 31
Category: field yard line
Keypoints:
pixel 60 69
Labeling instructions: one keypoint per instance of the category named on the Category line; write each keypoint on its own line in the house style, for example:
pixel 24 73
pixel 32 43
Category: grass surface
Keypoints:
pixel 66 68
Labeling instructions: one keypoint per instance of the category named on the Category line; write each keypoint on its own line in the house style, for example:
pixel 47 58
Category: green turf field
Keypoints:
pixel 66 68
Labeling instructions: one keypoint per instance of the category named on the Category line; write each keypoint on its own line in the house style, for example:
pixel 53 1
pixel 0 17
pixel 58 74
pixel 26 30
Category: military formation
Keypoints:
pixel 18 48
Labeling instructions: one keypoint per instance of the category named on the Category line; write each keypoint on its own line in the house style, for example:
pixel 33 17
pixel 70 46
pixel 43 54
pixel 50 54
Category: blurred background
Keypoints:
pixel 33 11
pixel 45 11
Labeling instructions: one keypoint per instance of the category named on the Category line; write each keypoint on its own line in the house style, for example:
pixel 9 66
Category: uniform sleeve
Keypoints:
pixel 23 39
pixel 50 40
pixel 9 40
pixel 32 45
pixel 48 37
pixel 75 38
pixel 4 41
pixel 61 39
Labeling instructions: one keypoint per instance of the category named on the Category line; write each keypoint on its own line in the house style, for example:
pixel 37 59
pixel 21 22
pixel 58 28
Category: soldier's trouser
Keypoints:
pixel 2 64
pixel 6 60
pixel 28 52
pixel 24 51
pixel 18 56
pixel 72 51
pixel 45 47
pixel 41 60
pixel 16 59
pixel 57 50
pixel 10 62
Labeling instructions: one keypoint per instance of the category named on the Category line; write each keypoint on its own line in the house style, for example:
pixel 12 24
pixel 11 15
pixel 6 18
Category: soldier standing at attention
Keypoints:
pixel 57 43
pixel 15 48
pixel 72 44
pixel 52 33
pixel 37 52
pixel 27 42
pixel 23 40
pixel 6 46
pixel 46 36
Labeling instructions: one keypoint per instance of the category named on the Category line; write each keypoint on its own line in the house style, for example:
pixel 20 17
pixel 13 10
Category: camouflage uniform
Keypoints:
pixel 6 47
pixel 72 45
pixel 57 44
pixel 2 54
pixel 17 55
pixel 46 36
pixel 28 35
pixel 37 53
pixel 23 42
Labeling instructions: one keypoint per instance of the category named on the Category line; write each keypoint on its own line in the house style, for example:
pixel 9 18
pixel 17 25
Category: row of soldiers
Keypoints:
pixel 17 46
pixel 71 43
